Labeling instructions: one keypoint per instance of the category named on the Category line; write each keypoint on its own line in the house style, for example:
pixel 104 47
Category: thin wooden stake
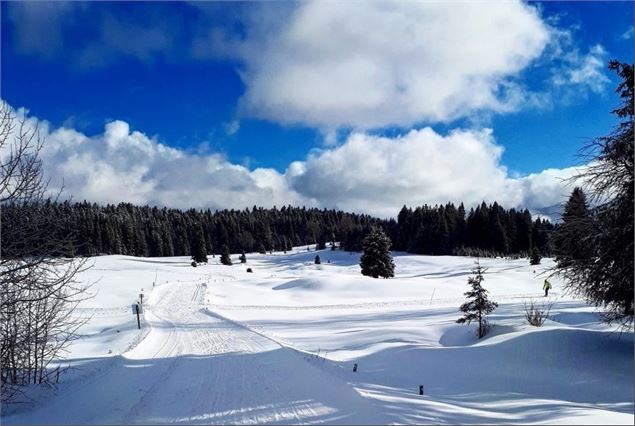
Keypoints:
pixel 138 320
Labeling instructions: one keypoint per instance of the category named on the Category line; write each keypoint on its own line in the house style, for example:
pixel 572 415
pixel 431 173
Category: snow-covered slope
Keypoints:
pixel 220 345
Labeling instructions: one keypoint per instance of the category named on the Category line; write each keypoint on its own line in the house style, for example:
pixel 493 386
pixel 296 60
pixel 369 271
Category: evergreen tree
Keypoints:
pixel 243 258
pixel 321 244
pixel 479 306
pixel 376 260
pixel 523 229
pixel 225 259
pixel 571 237
pixel 606 278
pixel 535 257
pixel 199 254
pixel 317 259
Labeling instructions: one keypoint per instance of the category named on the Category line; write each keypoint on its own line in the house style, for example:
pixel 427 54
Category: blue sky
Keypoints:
pixel 267 86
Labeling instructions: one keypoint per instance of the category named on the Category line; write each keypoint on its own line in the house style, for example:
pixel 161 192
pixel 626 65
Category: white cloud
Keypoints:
pixel 334 65
pixel 377 64
pixel 628 34
pixel 366 173
pixel 582 71
pixel 232 127
pixel 123 165
pixel 378 175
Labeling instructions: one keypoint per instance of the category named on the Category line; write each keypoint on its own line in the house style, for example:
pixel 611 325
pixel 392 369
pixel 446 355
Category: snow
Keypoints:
pixel 220 345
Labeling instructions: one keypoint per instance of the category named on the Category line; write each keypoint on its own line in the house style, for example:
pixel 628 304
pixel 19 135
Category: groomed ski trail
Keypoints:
pixel 194 366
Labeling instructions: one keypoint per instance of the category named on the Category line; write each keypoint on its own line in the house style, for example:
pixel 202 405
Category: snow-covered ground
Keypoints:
pixel 220 345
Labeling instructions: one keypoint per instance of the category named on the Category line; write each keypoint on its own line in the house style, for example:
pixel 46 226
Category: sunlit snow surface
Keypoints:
pixel 220 345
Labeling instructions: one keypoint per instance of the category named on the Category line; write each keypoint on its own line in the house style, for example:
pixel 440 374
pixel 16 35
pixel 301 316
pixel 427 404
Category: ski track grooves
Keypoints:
pixel 197 366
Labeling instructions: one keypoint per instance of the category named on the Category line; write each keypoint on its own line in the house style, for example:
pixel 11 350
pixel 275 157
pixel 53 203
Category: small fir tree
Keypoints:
pixel 224 256
pixel 318 261
pixel 535 257
pixel 376 260
pixel 243 258
pixel 478 306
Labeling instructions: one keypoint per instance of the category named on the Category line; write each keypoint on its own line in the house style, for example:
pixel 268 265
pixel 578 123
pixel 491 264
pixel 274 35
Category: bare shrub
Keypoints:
pixel 536 313
pixel 37 268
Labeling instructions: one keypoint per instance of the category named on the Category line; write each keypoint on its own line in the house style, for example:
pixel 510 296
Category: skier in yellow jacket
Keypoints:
pixel 546 287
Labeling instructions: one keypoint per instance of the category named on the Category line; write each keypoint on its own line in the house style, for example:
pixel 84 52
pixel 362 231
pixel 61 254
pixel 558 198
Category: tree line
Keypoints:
pixel 150 231
pixel 484 231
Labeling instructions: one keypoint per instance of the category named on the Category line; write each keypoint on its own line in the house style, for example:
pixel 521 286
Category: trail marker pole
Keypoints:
pixel 138 320
pixel 136 309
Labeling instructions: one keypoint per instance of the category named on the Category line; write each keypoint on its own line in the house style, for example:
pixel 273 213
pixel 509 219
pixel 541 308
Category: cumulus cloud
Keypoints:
pixel 121 164
pixel 379 174
pixel 336 65
pixel 366 173
pixel 387 63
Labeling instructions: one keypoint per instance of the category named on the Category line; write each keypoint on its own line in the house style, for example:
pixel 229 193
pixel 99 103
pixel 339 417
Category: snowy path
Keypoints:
pixel 195 367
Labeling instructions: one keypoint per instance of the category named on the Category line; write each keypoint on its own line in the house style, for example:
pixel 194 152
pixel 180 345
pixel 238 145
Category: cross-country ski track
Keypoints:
pixel 195 367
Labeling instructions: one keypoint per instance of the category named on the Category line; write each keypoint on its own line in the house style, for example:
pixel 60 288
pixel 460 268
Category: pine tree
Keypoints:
pixel 225 259
pixel 606 278
pixel 376 260
pixel 317 259
pixel 479 306
pixel 535 257
pixel 243 258
pixel 199 254
pixel 571 237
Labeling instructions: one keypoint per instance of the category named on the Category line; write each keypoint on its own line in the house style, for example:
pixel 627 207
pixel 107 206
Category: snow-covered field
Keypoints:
pixel 220 345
